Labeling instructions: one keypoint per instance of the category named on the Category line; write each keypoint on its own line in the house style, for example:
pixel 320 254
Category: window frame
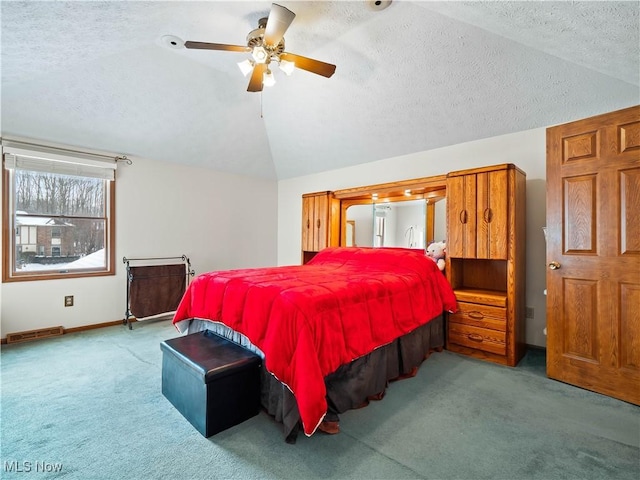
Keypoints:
pixel 9 241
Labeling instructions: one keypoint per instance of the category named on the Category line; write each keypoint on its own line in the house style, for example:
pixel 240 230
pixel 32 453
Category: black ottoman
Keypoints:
pixel 212 381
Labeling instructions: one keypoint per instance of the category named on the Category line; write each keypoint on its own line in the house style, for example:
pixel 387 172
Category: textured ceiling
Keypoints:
pixel 412 77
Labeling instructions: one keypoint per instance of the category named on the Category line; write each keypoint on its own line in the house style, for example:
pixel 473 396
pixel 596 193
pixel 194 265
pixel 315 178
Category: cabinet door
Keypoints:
pixel 461 216
pixel 321 220
pixel 492 214
pixel 315 222
pixel 307 223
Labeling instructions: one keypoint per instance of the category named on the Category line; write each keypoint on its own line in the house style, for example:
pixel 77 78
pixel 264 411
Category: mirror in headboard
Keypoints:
pixel 396 224
pixel 408 214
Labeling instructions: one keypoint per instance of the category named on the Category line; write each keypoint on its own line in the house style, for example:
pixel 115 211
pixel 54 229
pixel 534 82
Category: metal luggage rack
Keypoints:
pixel 150 262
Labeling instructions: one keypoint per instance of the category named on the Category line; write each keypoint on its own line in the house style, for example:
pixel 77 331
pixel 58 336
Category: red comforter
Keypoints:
pixel 310 319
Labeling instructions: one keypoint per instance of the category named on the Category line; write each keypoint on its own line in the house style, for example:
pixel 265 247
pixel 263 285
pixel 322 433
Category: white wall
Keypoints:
pixel 525 149
pixel 218 220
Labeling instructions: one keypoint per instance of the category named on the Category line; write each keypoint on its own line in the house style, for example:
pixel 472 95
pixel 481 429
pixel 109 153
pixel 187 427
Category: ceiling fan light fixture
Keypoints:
pixel 260 54
pixel 287 66
pixel 246 66
pixel 265 45
pixel 268 79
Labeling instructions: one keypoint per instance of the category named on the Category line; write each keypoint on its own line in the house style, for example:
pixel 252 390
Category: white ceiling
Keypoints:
pixel 412 77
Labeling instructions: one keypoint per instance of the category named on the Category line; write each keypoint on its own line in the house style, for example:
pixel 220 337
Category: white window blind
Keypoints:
pixel 62 162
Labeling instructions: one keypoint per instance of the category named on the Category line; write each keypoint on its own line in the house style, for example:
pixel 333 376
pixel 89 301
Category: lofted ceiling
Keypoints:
pixel 410 77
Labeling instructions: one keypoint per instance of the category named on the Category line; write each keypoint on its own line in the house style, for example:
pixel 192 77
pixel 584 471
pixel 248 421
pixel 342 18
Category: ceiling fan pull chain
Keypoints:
pixel 261 105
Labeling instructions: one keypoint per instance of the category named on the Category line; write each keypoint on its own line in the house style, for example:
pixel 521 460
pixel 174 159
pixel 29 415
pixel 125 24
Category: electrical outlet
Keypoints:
pixel 529 312
pixel 68 301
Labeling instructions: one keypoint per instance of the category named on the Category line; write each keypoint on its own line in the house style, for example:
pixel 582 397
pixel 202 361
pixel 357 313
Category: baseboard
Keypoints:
pixel 33 334
pixel 97 325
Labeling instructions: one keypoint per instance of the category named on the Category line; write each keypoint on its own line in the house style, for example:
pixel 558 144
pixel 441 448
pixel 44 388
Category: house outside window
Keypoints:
pixel 63 214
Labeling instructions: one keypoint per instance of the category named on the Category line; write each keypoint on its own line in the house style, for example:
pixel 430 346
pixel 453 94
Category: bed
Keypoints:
pixel 320 325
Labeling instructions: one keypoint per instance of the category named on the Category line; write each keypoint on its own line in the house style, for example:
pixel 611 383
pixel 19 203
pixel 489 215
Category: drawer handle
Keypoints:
pixel 463 216
pixel 475 337
pixel 476 315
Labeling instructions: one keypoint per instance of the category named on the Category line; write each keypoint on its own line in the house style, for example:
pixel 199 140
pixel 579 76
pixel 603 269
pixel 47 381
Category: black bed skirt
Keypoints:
pixel 352 384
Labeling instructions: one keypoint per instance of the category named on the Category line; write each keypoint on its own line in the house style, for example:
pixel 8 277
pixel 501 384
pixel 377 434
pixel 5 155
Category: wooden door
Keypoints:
pixel 493 214
pixel 461 216
pixel 593 254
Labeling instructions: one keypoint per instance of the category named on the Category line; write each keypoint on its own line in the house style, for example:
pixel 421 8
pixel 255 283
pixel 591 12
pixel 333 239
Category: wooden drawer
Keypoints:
pixel 492 341
pixel 483 297
pixel 483 316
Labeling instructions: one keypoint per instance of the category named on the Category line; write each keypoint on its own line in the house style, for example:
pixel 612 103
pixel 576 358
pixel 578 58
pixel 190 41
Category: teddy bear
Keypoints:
pixel 437 251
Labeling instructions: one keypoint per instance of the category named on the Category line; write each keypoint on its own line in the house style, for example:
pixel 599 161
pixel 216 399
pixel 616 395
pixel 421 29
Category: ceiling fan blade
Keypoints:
pixel 255 84
pixel 309 64
pixel 216 46
pixel 279 20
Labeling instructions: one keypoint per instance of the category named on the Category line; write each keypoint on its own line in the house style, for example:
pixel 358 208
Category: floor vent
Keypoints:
pixel 34 334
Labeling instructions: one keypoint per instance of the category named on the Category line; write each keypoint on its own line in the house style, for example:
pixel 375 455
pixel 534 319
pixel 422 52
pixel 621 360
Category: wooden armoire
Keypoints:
pixel 486 262
pixel 593 253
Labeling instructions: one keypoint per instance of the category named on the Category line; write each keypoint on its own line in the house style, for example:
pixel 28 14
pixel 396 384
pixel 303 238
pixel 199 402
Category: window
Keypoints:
pixel 61 208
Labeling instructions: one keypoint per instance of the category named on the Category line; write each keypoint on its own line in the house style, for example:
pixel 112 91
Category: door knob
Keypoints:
pixel 554 265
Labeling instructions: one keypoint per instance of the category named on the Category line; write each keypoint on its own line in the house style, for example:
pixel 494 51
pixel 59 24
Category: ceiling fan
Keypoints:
pixel 266 45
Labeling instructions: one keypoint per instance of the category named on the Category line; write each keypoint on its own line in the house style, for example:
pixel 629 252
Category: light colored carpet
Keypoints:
pixel 90 403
